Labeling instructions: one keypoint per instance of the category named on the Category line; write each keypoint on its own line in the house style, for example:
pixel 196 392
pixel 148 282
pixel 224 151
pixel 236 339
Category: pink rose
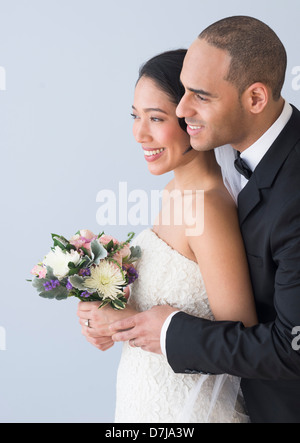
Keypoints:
pixel 83 240
pixel 89 235
pixel 105 239
pixel 39 271
pixel 124 252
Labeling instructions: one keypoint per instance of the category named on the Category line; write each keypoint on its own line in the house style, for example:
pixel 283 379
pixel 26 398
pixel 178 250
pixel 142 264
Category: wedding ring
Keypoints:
pixel 87 323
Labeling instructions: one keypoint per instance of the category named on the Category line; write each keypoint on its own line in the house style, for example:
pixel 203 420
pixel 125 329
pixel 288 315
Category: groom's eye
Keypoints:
pixel 201 98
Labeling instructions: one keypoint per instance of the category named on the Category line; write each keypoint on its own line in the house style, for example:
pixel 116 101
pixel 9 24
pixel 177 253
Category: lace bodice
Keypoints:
pixel 167 277
pixel 147 388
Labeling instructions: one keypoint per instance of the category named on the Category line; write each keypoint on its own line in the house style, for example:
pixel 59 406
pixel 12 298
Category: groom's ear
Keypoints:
pixel 256 98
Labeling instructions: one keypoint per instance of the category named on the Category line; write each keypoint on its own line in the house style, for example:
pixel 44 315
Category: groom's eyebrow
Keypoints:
pixel 202 92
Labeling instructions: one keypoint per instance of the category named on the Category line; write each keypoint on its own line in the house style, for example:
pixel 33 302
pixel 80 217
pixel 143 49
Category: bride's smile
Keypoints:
pixel 153 154
pixel 157 129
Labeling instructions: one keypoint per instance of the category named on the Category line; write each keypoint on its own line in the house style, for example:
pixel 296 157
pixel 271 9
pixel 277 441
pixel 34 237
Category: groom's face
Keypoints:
pixel 211 105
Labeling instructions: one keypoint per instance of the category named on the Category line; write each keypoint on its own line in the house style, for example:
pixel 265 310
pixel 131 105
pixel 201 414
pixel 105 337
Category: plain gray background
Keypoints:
pixel 65 134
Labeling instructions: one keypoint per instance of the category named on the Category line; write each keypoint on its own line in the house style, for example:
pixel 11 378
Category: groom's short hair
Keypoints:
pixel 257 54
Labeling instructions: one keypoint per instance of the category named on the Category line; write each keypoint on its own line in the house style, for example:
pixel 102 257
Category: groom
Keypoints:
pixel 233 76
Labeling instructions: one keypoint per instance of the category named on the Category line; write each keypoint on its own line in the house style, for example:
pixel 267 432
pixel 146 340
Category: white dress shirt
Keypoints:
pixel 252 156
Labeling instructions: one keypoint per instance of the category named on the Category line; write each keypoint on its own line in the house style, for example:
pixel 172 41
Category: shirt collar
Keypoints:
pixel 254 154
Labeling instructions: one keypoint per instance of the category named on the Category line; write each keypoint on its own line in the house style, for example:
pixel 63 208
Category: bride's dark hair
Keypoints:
pixel 164 69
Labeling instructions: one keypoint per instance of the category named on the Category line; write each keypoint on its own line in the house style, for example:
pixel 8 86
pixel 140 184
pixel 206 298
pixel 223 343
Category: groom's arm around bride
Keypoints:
pixel 268 136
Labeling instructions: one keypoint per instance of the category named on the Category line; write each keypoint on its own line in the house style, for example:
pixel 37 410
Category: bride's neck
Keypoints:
pixel 202 172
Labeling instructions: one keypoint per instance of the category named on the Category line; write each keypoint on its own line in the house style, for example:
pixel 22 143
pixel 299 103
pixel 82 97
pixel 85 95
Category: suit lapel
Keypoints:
pixel 248 198
pixel 267 170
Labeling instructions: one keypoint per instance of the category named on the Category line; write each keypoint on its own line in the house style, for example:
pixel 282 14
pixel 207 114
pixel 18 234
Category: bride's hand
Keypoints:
pixel 97 332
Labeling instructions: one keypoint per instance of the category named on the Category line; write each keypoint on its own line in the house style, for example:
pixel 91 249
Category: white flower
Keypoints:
pixel 106 279
pixel 58 260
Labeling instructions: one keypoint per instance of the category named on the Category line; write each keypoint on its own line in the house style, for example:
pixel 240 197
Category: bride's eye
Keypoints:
pixel 134 116
pixel 156 119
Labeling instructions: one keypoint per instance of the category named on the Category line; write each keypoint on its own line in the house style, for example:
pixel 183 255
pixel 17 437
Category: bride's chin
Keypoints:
pixel 158 170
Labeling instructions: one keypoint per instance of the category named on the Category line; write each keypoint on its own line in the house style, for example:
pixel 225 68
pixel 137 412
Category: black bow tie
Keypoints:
pixel 242 167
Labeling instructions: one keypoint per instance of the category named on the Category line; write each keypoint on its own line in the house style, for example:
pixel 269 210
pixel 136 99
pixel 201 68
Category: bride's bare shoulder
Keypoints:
pixel 213 211
pixel 170 186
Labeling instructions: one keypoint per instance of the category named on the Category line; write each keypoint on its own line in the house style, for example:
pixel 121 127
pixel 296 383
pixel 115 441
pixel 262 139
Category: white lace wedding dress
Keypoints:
pixel 148 391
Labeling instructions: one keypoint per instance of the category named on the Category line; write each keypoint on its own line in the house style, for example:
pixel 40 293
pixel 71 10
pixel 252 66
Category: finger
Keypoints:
pixel 84 315
pixel 106 347
pixel 100 341
pixel 94 330
pixel 133 344
pixel 102 344
pixel 87 306
pixel 121 325
pixel 83 322
pixel 124 335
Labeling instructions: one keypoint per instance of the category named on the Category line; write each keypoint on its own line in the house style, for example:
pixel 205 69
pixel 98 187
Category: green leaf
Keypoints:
pixel 104 303
pixel 78 282
pixel 60 241
pixel 70 247
pixel 130 236
pixel 38 284
pixel 109 245
pixel 85 251
pixel 98 252
pixel 50 275
pixel 46 294
pixel 136 252
pixel 118 304
pixel 59 293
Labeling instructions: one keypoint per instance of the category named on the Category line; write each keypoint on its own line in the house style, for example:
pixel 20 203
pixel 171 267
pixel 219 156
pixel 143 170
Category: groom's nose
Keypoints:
pixel 184 108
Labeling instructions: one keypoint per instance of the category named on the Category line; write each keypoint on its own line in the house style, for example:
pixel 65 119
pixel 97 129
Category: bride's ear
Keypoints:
pixel 256 98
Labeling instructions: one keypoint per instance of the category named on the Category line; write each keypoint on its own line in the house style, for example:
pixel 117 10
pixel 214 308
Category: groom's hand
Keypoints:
pixel 143 330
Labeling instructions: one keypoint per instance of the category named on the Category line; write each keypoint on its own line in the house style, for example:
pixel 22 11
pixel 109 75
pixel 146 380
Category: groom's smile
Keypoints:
pixel 211 105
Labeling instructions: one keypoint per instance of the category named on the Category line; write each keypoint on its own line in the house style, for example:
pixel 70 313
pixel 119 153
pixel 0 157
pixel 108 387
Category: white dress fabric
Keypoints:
pixel 148 391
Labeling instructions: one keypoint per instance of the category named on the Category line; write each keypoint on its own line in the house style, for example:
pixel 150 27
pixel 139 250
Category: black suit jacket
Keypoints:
pixel 264 356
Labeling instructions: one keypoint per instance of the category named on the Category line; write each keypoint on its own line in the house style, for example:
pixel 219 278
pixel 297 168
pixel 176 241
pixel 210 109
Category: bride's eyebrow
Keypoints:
pixel 152 110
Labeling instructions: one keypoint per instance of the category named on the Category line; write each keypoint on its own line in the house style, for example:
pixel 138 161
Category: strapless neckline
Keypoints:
pixel 170 247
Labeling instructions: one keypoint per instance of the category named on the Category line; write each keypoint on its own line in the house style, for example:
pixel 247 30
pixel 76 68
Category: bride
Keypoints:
pixel 195 263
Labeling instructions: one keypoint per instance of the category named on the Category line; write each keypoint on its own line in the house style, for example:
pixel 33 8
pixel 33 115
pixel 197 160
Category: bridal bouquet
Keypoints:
pixel 88 266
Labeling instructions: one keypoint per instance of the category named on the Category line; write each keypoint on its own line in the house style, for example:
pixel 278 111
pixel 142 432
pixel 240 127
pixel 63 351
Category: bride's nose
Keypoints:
pixel 141 132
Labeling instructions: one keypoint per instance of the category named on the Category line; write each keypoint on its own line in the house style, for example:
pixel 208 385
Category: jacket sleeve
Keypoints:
pixel 267 351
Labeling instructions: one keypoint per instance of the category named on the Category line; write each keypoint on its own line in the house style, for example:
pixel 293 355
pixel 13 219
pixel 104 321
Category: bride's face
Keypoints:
pixel 157 129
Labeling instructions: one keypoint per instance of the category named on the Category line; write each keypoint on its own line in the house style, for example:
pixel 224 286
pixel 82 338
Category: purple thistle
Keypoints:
pixel 52 284
pixel 85 272
pixel 132 274
pixel 69 286
pixel 85 294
